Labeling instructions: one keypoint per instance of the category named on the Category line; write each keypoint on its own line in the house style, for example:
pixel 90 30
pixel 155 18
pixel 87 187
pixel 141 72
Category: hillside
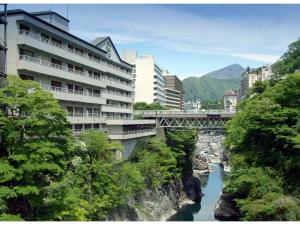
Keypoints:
pixel 205 88
pixel 233 71
pixel 213 85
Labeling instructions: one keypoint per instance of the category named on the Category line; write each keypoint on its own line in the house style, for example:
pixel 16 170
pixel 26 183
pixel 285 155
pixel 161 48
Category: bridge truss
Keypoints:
pixel 202 120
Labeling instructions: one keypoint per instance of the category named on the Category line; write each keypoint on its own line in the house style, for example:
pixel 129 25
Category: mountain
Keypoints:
pixel 233 71
pixel 212 86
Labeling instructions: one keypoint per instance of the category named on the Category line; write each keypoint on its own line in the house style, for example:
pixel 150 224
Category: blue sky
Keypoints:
pixel 189 40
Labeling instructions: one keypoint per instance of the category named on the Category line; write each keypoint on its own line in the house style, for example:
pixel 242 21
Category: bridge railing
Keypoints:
pixel 181 112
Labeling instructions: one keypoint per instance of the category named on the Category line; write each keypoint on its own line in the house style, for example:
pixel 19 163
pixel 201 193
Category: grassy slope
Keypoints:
pixel 207 88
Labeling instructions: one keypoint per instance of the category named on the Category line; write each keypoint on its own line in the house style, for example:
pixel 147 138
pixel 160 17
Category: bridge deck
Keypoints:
pixel 206 119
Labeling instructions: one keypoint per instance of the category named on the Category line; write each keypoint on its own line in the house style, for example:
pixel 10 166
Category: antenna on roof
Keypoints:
pixel 67 11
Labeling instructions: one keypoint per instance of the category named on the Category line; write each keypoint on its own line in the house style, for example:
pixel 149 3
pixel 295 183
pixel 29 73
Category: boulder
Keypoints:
pixel 226 209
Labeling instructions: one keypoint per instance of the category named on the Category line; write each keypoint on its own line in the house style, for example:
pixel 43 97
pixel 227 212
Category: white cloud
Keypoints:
pixel 251 38
pixel 257 57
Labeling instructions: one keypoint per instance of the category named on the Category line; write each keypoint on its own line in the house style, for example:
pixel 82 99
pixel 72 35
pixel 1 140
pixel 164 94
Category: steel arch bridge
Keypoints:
pixel 203 120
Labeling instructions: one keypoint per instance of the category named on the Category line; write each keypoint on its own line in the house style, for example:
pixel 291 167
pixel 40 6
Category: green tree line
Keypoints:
pixel 264 141
pixel 47 174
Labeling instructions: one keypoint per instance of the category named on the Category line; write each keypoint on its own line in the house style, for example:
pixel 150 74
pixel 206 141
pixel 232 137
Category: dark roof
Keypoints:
pixel 20 11
pixel 49 12
pixel 99 40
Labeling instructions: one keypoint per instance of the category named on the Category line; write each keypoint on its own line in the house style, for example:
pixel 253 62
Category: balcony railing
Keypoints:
pixel 117 94
pixel 67 49
pixel 118 106
pixel 69 91
pixel 66 69
pixel 97 115
pixel 79 131
pixel 127 132
pixel 58 67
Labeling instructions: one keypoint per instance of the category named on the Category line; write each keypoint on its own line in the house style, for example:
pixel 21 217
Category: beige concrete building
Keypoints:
pixel 249 78
pixel 174 92
pixel 148 79
pixel 90 80
pixel 230 100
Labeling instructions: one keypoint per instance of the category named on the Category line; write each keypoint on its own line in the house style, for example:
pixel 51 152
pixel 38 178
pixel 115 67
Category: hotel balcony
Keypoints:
pixel 128 129
pixel 80 118
pixel 116 108
pixel 45 67
pixel 123 135
pixel 73 95
pixel 33 40
pixel 118 84
pixel 79 131
pixel 117 96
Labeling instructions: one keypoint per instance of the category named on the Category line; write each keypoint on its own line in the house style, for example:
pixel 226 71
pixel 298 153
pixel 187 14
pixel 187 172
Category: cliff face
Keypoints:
pixel 157 204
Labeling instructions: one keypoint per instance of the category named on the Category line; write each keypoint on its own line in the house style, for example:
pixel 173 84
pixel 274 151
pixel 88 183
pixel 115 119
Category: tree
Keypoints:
pixel 290 61
pixel 96 182
pixel 34 148
pixel 151 106
pixel 264 141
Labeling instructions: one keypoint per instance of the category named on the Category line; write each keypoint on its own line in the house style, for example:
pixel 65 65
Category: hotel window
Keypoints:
pixel 79 110
pixel 56 41
pixel 96 110
pixel 24 28
pixel 88 126
pixel 78 68
pixel 96 126
pixel 56 85
pixel 70 110
pixel 96 92
pixel 97 74
pixel 79 50
pixel 45 36
pixel 70 88
pixel 89 111
pixel 26 77
pixel 78 127
pixel 90 91
pixel 78 89
pixel 70 67
pixel 55 61
pixel 26 52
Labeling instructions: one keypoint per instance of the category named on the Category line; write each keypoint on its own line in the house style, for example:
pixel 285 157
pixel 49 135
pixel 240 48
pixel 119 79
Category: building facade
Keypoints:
pixel 192 105
pixel 148 79
pixel 90 80
pixel 174 92
pixel 249 78
pixel 230 100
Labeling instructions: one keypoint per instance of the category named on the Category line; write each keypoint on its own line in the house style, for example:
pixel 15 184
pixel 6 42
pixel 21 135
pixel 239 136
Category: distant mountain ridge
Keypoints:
pixel 233 71
pixel 212 86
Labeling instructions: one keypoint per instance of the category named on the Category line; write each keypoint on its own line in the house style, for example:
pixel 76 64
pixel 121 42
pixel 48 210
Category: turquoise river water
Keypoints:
pixel 204 211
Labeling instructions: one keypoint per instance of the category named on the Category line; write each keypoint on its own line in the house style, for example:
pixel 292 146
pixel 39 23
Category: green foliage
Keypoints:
pixel 151 106
pixel 156 161
pixel 264 142
pixel 34 148
pixel 95 182
pixel 213 104
pixel 207 88
pixel 183 144
pixel 290 61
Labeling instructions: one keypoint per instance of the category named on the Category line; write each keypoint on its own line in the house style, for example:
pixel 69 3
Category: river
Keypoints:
pixel 204 211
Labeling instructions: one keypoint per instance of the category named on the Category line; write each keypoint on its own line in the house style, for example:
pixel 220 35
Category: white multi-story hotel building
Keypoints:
pixel 90 80
pixel 148 79
pixel 230 100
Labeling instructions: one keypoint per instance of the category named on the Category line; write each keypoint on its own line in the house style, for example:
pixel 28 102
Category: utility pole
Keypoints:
pixel 3 51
